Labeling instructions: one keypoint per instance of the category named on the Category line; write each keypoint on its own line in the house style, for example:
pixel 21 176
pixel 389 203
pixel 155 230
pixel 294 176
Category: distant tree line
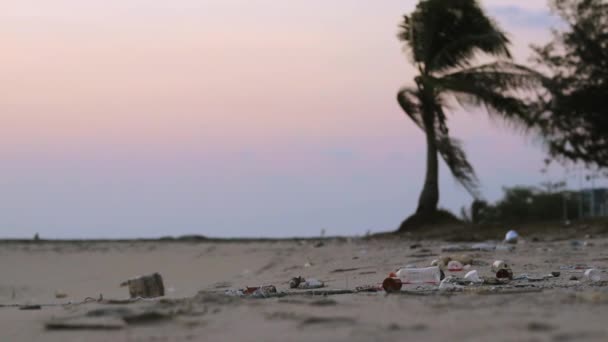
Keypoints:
pixel 521 204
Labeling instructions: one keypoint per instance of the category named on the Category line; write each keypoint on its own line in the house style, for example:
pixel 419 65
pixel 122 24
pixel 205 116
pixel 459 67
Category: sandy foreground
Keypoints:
pixel 563 310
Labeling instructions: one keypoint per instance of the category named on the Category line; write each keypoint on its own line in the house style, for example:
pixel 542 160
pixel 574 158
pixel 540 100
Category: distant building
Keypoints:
pixel 594 202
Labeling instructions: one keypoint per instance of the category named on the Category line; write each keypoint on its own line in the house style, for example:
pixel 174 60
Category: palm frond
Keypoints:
pixel 409 101
pixel 460 53
pixel 497 87
pixel 455 158
pixel 445 34
pixel 453 154
pixel 502 75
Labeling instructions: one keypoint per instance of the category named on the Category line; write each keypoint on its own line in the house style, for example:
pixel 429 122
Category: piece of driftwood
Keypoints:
pixel 149 286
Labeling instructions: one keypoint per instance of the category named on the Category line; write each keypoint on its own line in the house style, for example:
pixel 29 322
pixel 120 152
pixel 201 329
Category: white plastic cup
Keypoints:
pixel 593 275
pixel 473 277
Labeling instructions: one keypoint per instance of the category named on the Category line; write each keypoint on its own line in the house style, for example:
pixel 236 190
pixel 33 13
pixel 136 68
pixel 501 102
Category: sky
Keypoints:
pixel 147 118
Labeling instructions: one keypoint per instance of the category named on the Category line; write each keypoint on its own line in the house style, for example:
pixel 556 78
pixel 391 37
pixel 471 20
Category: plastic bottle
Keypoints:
pixel 427 275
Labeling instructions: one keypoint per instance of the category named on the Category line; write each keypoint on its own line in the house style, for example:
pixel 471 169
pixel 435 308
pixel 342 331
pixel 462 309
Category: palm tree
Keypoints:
pixel 443 39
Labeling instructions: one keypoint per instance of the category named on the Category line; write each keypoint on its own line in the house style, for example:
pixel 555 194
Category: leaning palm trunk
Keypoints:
pixel 429 197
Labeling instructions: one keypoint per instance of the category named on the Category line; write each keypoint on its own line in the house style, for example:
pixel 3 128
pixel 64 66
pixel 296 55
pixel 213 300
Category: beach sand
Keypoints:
pixel 197 273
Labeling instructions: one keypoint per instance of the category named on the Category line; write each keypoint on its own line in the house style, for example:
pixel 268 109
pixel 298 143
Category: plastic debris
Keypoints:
pixel 427 275
pixel 455 266
pixel 234 293
pixel 505 274
pixel 391 284
pixel 511 236
pixel 473 277
pixel 295 282
pixel 443 262
pixel 149 286
pixel 254 291
pixel 311 283
pixel 593 275
pixel 302 283
pixel 503 271
pixel 450 284
pixel 499 265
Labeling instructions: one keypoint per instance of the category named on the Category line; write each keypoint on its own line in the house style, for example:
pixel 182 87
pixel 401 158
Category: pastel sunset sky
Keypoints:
pixel 227 118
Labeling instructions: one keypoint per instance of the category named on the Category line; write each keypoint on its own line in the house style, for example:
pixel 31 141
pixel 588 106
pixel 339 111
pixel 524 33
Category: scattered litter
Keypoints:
pixel 261 291
pixel 427 275
pixel 511 237
pixel 305 284
pixel 444 262
pixel 593 275
pixel 311 283
pixel 455 266
pixel 295 282
pixel 254 292
pixel 504 274
pixel 308 264
pixel 234 293
pixel 450 284
pixel 391 284
pixel 149 286
pixel 473 277
pixel 499 265
pixel 555 274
